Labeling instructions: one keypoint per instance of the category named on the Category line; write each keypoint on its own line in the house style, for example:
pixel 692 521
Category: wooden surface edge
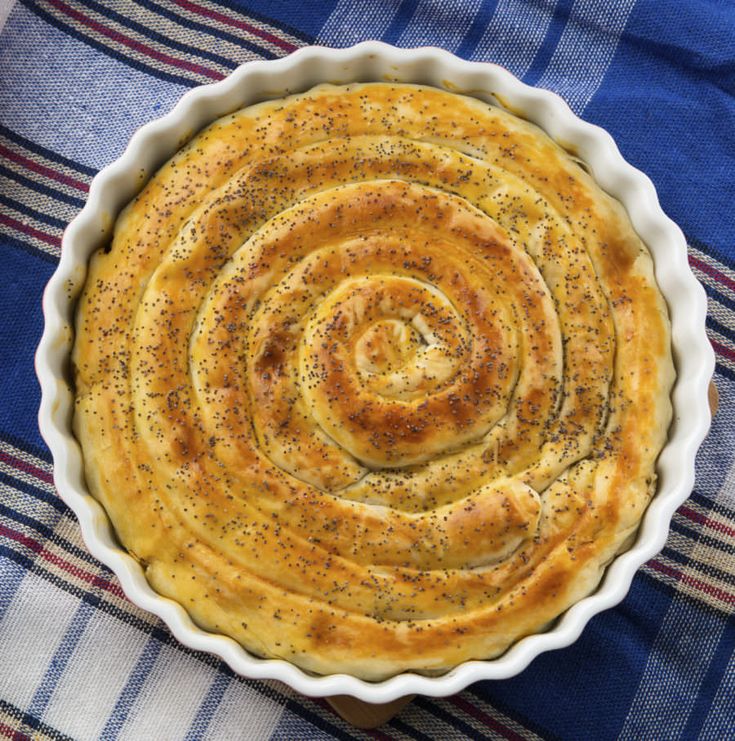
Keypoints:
pixel 366 715
pixel 714 398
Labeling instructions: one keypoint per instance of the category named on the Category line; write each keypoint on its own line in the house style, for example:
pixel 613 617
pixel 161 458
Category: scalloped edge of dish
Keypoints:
pixel 155 142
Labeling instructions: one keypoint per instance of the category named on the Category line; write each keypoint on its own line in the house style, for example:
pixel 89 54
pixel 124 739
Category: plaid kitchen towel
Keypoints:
pixel 77 660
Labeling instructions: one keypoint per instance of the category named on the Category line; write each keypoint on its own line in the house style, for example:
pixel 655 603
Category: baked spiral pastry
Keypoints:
pixel 373 379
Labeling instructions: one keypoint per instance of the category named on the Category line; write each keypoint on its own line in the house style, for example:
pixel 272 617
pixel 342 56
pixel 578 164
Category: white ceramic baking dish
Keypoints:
pixel 155 142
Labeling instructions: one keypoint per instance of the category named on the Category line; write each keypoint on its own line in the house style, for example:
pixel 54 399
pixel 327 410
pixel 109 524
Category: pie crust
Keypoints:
pixel 373 379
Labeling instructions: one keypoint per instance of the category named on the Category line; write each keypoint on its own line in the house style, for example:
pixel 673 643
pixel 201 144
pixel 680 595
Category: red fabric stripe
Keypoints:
pixel 42 169
pixel 9 732
pixel 720 349
pixel 19 226
pixel 712 272
pixel 133 44
pixel 692 581
pixel 702 520
pixel 222 18
pixel 36 547
pixel 29 468
pixel 484 718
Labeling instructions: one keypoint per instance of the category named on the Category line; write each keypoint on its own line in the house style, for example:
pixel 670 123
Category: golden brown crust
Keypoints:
pixel 373 379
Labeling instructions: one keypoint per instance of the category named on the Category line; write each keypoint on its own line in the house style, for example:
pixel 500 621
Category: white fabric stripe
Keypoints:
pixel 719 721
pixel 515 34
pixel 343 29
pixel 42 226
pixel 428 724
pixel 29 635
pixel 673 648
pixel 585 50
pixel 722 340
pixel 51 164
pixel 674 640
pixel 166 701
pixel 224 10
pixel 38 244
pixel 98 670
pixel 714 307
pixel 40 202
pixel 712 533
pixel 22 455
pixel 214 23
pixel 244 713
pixel 21 502
pixel 700 558
pixel 715 519
pixel 5 7
pixel 479 725
pixel 713 262
pixel 503 719
pixel 27 478
pixel 191 38
pixel 442 16
pixel 127 52
pixel 36 104
pixel 726 494
pixel 685 588
pixel 723 315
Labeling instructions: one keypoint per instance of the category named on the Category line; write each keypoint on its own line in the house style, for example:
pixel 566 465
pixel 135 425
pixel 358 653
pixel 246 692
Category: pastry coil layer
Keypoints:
pixel 373 379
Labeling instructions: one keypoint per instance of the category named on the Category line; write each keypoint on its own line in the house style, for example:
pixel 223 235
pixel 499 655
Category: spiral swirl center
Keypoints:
pixel 386 347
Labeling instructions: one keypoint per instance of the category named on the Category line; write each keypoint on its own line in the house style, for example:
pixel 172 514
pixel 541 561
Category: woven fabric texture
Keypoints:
pixel 77 660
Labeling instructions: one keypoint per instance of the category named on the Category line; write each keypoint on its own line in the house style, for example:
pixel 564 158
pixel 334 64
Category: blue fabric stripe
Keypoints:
pixel 149 33
pixel 712 251
pixel 700 536
pixel 46 153
pixel 720 328
pixel 711 505
pixel 177 79
pixel 408 730
pixel 710 683
pixel 401 19
pixel 187 22
pixel 374 21
pixel 59 195
pixel 520 715
pixel 452 720
pixel 245 10
pixel 674 648
pixel 726 301
pixel 131 690
pixel 28 211
pixel 692 565
pixel 208 707
pixel 97 600
pixel 35 492
pixel 472 38
pixel 27 447
pixel 428 16
pixel 515 33
pixel 48 532
pixel 60 659
pixel 298 707
pixel 291 726
pixel 29 249
pixel 28 721
pixel 11 576
pixel 722 370
pixel 553 35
